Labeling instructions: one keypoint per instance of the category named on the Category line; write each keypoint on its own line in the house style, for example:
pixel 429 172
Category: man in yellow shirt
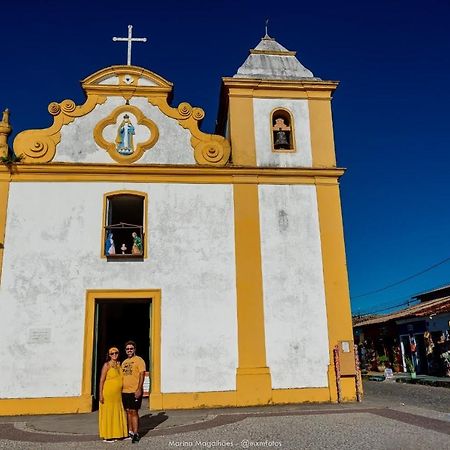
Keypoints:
pixel 133 371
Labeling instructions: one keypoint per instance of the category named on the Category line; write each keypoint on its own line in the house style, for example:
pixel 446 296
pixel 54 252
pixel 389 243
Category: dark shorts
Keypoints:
pixel 131 402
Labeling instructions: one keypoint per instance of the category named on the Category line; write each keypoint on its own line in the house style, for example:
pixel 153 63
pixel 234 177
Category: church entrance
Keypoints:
pixel 117 321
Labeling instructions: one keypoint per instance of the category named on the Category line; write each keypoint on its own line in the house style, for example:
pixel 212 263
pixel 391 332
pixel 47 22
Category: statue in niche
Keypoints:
pixel 124 138
pixel 109 245
pixel 137 244
pixel 123 248
pixel 281 134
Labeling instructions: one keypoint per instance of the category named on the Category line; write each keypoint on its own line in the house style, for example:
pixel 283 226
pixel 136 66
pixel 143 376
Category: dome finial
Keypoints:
pixel 5 131
pixel 266 36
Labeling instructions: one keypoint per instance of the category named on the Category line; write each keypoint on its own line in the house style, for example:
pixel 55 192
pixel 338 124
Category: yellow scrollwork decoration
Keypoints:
pixel 209 149
pixel 40 145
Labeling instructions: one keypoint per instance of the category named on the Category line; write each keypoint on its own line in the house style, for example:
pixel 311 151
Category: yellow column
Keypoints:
pixel 156 398
pixel 4 193
pixel 335 277
pixel 321 126
pixel 253 381
pixel 242 128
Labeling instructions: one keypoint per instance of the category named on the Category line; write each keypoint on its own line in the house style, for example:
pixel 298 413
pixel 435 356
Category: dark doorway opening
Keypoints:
pixel 117 321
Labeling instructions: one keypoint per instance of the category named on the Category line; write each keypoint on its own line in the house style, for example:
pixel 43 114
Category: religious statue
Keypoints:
pixel 109 245
pixel 137 244
pixel 124 138
pixel 123 248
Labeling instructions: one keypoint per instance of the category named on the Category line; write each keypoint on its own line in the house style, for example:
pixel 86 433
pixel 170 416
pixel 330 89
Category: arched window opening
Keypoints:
pixel 124 229
pixel 282 132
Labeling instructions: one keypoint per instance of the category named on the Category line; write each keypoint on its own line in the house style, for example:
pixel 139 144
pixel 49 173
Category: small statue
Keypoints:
pixel 124 139
pixel 137 244
pixel 109 245
pixel 123 248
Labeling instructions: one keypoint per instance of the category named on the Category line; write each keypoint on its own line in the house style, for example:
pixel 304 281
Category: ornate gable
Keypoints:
pixel 126 119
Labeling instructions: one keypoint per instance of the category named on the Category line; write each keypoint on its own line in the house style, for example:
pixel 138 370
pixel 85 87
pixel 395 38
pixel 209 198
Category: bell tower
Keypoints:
pixel 277 116
pixel 276 112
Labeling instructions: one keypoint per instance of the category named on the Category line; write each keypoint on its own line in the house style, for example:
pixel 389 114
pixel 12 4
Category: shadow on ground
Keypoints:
pixel 151 421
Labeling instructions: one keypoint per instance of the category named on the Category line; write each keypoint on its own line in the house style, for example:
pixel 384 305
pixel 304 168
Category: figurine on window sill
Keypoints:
pixel 123 248
pixel 109 245
pixel 137 244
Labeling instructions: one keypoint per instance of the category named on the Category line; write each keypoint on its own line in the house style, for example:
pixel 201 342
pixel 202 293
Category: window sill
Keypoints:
pixel 126 257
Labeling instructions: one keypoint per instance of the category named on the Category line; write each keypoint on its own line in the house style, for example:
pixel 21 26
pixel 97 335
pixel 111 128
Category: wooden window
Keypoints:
pixel 124 229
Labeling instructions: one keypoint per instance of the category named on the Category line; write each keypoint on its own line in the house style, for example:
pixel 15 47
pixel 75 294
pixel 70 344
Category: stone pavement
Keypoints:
pixel 391 416
pixel 401 377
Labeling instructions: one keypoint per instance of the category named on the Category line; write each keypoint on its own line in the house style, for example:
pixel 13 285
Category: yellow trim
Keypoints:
pixel 144 219
pixel 111 147
pixel 242 131
pixel 209 149
pixel 64 172
pixel 114 295
pixel 40 145
pixel 299 395
pixel 253 380
pixel 293 148
pixel 237 104
pixel 280 89
pixel 189 400
pixel 46 405
pixel 4 195
pixel 158 402
pixel 321 129
pixel 335 279
pixel 92 83
pixel 220 399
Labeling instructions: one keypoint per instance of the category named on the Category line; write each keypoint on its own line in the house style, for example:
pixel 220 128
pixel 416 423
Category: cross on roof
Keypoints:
pixel 129 39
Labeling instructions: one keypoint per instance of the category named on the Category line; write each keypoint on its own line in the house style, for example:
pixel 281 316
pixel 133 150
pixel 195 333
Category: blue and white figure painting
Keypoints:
pixel 124 138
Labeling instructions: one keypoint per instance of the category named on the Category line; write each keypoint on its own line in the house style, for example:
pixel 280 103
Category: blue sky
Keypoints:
pixel 391 110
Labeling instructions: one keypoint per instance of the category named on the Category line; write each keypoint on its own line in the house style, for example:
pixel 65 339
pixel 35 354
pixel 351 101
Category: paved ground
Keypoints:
pixel 392 416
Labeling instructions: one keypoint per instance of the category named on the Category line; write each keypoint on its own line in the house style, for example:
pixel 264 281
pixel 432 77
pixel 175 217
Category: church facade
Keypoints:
pixel 222 255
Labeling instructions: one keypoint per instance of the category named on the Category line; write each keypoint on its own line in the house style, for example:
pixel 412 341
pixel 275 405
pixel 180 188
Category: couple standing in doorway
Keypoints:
pixel 121 390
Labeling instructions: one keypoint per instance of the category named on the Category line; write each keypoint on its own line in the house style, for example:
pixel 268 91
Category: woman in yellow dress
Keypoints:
pixel 112 420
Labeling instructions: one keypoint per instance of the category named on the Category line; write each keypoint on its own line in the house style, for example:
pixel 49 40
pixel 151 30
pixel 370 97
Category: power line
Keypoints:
pixel 404 303
pixel 402 280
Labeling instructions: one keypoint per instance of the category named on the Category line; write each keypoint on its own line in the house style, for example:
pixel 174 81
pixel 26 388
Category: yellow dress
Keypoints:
pixel 112 420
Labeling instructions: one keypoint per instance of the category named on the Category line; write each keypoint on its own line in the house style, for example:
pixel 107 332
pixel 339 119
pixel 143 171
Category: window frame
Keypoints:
pixel 293 148
pixel 128 256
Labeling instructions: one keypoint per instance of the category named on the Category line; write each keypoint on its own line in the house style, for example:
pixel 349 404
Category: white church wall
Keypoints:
pixel 52 256
pixel 78 145
pixel 262 113
pixel 294 297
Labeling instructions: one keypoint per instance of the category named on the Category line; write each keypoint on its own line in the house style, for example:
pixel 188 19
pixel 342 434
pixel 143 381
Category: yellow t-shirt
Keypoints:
pixel 131 368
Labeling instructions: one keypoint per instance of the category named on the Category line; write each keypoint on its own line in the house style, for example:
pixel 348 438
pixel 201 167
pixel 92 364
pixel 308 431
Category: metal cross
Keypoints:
pixel 129 39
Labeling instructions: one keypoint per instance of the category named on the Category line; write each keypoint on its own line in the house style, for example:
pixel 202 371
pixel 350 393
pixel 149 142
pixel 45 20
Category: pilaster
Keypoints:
pixel 253 380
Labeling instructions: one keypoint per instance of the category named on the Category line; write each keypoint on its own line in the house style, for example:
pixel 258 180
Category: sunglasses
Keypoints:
pixel 129 348
pixel 113 353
